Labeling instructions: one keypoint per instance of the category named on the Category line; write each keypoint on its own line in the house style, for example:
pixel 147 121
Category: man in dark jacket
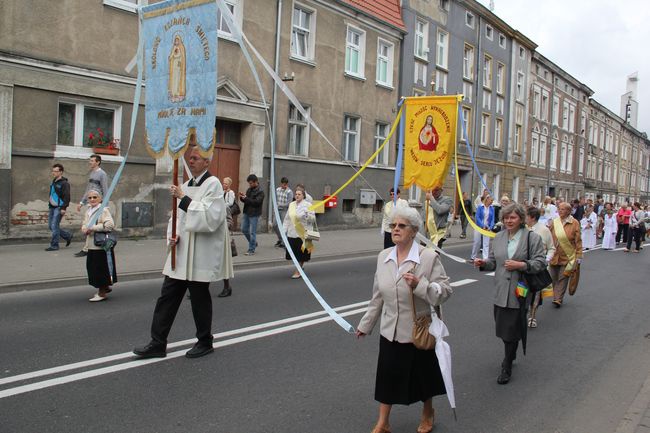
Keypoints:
pixel 58 204
pixel 253 200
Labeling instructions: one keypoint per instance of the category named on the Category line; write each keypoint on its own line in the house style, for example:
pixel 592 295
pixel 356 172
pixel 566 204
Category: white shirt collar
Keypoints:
pixel 197 179
pixel 414 254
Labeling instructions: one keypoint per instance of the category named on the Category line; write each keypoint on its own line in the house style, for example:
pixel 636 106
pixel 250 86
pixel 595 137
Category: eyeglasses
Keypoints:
pixel 399 226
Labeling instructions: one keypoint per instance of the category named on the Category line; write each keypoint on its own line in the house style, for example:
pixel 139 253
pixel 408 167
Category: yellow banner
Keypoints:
pixel 429 136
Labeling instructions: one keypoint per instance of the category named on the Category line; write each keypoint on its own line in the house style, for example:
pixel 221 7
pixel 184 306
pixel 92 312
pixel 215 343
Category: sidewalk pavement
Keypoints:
pixel 29 267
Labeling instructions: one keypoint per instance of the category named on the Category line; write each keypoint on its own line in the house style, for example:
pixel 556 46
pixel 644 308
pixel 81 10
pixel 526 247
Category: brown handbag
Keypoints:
pixel 422 339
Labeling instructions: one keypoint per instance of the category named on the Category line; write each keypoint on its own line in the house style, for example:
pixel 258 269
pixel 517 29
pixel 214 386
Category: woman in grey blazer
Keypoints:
pixel 510 260
pixel 408 276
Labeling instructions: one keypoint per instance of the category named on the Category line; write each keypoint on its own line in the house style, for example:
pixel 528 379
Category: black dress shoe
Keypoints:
pixel 227 291
pixel 67 242
pixel 151 350
pixel 51 249
pixel 199 349
pixel 81 253
pixel 504 377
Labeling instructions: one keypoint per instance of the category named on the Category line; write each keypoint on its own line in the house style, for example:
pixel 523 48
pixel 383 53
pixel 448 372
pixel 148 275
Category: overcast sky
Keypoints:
pixel 599 42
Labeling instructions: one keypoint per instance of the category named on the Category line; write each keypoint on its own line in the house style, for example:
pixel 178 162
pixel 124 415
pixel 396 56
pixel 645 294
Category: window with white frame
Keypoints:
pixel 534 150
pixel 522 53
pixel 502 41
pixel 469 19
pixel 467 91
pixel 381 132
pixel 441 82
pixel 78 119
pixel 498 133
pixel 581 160
pixel 531 194
pixel 415 195
pixel 442 49
pixel 236 8
pixel 537 103
pixel 583 123
pixel 501 78
pixel 501 102
pixel 298 132
pixel 515 189
pixel 542 151
pixel 518 129
pixel 303 32
pixel 444 5
pixel 468 62
pixel 565 115
pixel 420 73
pixel 489 32
pixel 421 39
pixel 351 132
pixel 355 51
pixel 556 111
pixel 591 132
pixel 385 52
pixel 569 158
pixel 520 86
pixel 544 110
pixel 487 71
pixel 466 125
pixel 127 5
pixel 563 157
pixel 487 100
pixel 572 118
pixel 496 186
pixel 485 129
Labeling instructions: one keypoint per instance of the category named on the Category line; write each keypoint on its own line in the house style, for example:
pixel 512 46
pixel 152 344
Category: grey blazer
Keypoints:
pixel 391 296
pixel 505 281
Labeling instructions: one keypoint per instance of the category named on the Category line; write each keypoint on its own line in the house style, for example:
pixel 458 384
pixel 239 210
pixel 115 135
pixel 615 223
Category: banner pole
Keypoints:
pixel 174 210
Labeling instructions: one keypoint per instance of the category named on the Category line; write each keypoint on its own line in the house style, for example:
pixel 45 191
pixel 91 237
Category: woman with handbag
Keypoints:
pixel 297 221
pixel 100 261
pixel 637 227
pixel 515 252
pixel 409 281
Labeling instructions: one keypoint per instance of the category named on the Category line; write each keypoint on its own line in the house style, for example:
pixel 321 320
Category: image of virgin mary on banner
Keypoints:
pixel 180 40
pixel 429 139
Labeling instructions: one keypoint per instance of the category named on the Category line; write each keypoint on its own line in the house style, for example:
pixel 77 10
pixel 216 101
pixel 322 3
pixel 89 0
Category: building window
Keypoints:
pixel 351 138
pixel 542 152
pixel 534 151
pixel 441 82
pixel 544 110
pixel 381 131
pixel 489 32
pixel 556 111
pixel 415 195
pixel 236 9
pixel 487 100
pixel 569 159
pixel 348 205
pixel 502 41
pixel 518 139
pixel 298 132
pixel 553 156
pixel 443 45
pixel 385 63
pixel 501 78
pixel 572 118
pixel 467 91
pixel 303 32
pixel 77 120
pixel 496 186
pixel 520 86
pixel 444 5
pixel 522 53
pixel 581 160
pixel 420 73
pixel 515 189
pixel 468 62
pixel 127 5
pixel 355 52
pixel 469 19
pixel 485 129
pixel 421 39
pixel 565 115
pixel 500 105
pixel 487 71
pixel 563 157
pixel 498 133
pixel 466 125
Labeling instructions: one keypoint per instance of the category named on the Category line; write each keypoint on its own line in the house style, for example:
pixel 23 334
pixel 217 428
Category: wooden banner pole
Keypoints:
pixel 174 209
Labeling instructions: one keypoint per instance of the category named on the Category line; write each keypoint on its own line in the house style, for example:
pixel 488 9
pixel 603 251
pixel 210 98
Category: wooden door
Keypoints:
pixel 225 162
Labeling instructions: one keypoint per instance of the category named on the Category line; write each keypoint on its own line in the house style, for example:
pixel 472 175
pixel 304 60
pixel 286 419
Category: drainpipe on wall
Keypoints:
pixel 278 32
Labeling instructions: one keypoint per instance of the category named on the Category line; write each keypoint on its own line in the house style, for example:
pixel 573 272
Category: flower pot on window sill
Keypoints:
pixel 106 150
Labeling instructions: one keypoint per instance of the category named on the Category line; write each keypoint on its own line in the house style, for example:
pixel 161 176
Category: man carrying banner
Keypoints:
pixel 200 259
pixel 439 207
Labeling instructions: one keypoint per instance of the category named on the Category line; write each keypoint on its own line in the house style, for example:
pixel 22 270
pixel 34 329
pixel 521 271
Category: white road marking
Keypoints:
pixel 462 282
pixel 490 274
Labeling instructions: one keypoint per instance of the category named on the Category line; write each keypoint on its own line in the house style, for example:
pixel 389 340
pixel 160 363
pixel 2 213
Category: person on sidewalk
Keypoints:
pixel 386 216
pixel 97 181
pixel 57 207
pixel 284 196
pixel 200 247
pixel 463 218
pixel 409 281
pixel 485 220
pixel 568 251
pixel 297 221
pixel 439 208
pixel 100 266
pixel 253 200
pixel 516 250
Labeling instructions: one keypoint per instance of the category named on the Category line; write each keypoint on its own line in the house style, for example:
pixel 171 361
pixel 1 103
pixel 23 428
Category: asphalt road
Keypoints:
pixel 65 364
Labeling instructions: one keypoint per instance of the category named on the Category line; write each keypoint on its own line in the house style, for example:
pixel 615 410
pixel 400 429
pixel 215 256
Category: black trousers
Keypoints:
pixel 510 349
pixel 170 299
pixel 623 230
pixel 634 234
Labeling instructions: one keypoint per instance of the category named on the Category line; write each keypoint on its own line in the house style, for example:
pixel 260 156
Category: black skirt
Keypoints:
pixel 97 268
pixel 296 245
pixel 405 374
pixel 509 324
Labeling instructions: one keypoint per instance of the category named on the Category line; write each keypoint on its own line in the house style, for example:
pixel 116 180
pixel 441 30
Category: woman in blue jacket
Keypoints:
pixel 485 220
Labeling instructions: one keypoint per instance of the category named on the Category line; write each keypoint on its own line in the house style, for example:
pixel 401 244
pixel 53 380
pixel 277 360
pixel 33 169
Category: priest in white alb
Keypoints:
pixel 588 224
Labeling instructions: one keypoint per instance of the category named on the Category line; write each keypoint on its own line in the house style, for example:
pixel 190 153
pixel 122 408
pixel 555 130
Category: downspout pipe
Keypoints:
pixel 278 33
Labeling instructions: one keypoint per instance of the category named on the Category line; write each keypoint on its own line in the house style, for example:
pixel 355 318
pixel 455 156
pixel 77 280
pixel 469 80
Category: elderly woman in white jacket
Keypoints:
pixel 408 276
pixel 100 274
pixel 297 221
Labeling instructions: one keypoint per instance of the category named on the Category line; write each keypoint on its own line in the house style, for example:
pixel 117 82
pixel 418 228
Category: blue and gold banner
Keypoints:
pixel 180 39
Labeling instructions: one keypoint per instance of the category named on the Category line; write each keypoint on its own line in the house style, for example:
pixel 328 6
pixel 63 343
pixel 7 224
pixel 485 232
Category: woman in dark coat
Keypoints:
pixel 510 259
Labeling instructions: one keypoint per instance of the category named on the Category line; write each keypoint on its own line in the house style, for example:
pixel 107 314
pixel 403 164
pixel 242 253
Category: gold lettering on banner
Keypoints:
pixel 204 42
pixel 199 111
pixel 154 53
pixel 182 21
